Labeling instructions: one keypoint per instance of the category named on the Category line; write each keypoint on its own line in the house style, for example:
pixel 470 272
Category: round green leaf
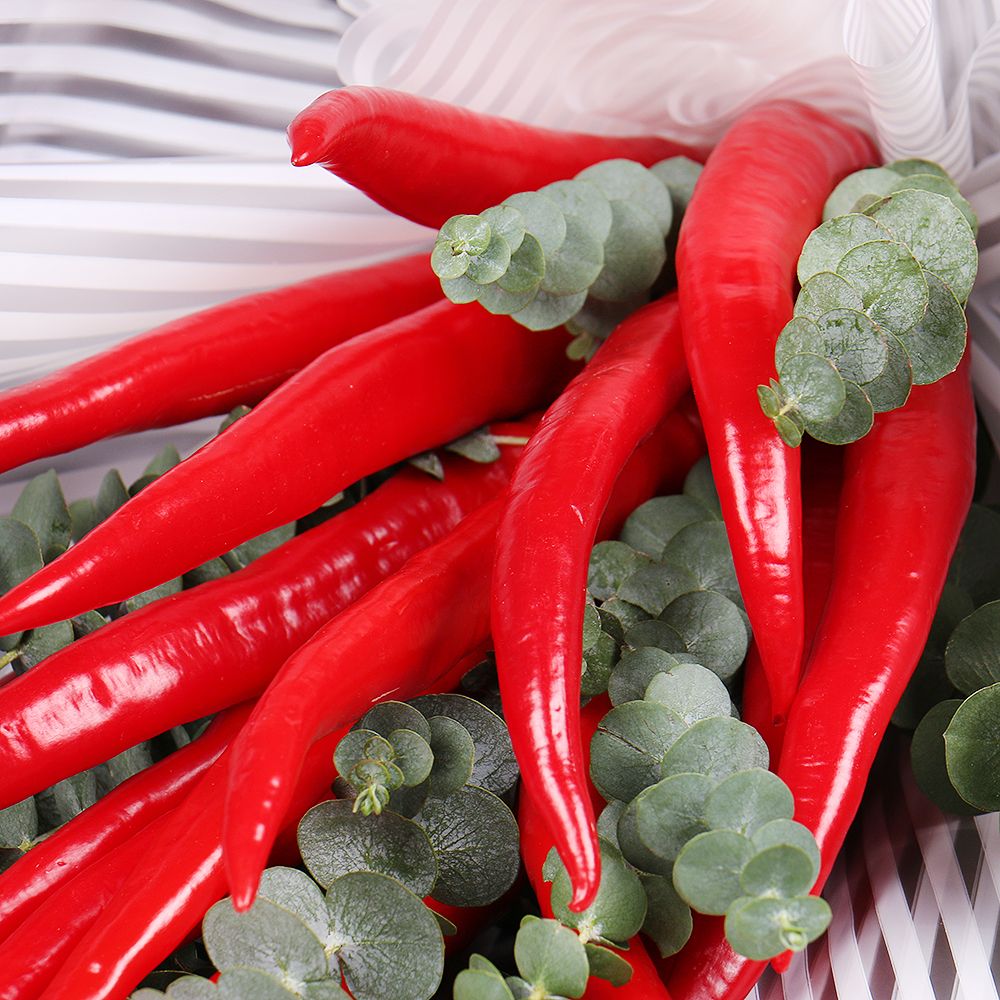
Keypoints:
pixel 663 818
pixel 634 253
pixel 712 629
pixel 873 181
pixel 656 634
pixel 607 965
pixel 611 564
pixel 972 749
pixel 541 217
pixel 892 388
pixel 359 745
pixel 813 386
pixel 653 524
pixel 495 767
pixel 476 984
pixel 475 840
pixel 891 282
pixel 698 483
pixel 334 840
pixel 782 870
pixel 703 550
pixel 678 175
pixel 546 312
pixel 454 754
pixel 927 753
pixel 652 588
pixel 943 186
pixel 18 823
pixel 936 344
pixel 497 300
pixel 634 671
pixel 507 223
pixel 618 616
pixel 469 234
pixel 607 822
pixel 460 290
pixel 630 743
pixel 389 944
pixel 717 747
pixel 827 244
pixel 267 938
pixel 386 716
pixel 857 347
pixel 299 894
pixel 762 928
pixel 551 957
pixel 491 264
pixel 576 264
pixel 694 692
pixel 42 507
pixel 20 557
pixel 974 566
pixel 787 832
pixel 525 271
pixel 854 420
pixel 583 201
pixel 917 166
pixel 598 662
pixel 619 908
pixel 668 922
pixel 972 656
pixel 628 181
pixel 414 756
pixel 936 233
pixel 790 427
pixel 824 292
pixel 446 263
pixel 597 320
pixel 745 801
pixel 707 870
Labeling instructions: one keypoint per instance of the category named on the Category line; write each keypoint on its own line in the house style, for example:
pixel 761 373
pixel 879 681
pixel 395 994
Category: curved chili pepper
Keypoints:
pixel 206 363
pixel 112 820
pixel 556 497
pixel 190 654
pixel 380 397
pixel 32 954
pixel 760 195
pixel 907 487
pixel 537 841
pixel 438 605
pixel 427 160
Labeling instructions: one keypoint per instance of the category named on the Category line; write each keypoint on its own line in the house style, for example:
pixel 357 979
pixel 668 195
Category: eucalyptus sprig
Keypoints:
pixel 883 282
pixel 584 252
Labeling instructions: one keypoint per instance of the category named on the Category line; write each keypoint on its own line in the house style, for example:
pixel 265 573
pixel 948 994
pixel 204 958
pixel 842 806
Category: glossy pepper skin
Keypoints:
pixel 551 513
pixel 760 195
pixel 537 841
pixel 378 398
pixel 109 822
pixel 906 490
pixel 206 363
pixel 193 653
pixel 427 160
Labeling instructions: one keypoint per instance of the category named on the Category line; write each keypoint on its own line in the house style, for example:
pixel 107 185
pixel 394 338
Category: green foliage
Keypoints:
pixel 883 284
pixel 584 252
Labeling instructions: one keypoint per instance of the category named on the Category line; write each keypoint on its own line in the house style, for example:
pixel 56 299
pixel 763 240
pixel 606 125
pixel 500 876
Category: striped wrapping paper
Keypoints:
pixel 143 174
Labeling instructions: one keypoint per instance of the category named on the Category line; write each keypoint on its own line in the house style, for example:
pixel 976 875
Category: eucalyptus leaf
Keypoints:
pixel 598 661
pixel 611 564
pixel 42 642
pixel 551 957
pixel 654 523
pixel 387 716
pixel 699 484
pixel 854 420
pixel 597 319
pixel 495 767
pixel 668 922
pixel 299 894
pixel 826 245
pixel 653 587
pixel 608 965
pixel 576 264
pixel 824 292
pixel 974 566
pixel 111 494
pixel 892 388
pixel 42 506
pixel 546 312
pixel 762 928
pixel 936 344
pixel 505 222
pixel 18 824
pixel 712 629
pixel 474 984
pixel 165 589
pixel 787 832
pixel 618 616
pixel 525 272
pixel 82 517
pixel 678 175
pixel 479 446
pixel 584 202
pixel 634 253
pixel 66 799
pixel 629 745
pixel 663 818
pixel 972 656
pixel 618 910
pixel 454 753
pixel 607 822
pixel 20 557
pixel 908 167
pixel 256 547
pixel 496 299
pixel 891 282
pixel 124 765
pixel 334 841
pixel 541 217
pixel 849 339
pixel 657 635
pixel 707 870
pixel 461 289
pixel 628 181
pixel 936 233
pixel 783 870
pixel 387 941
pixel 475 840
pixel 694 692
pixel 635 670
pixel 268 938
pixel 703 549
pixel 414 756
pixel 872 181
pixel 717 747
pixel 927 754
pixel 937 184
pixel 745 801
pixel 972 749
pixel 491 264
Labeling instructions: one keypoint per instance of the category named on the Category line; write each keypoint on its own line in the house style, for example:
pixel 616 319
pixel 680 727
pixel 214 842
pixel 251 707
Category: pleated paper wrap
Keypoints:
pixel 143 174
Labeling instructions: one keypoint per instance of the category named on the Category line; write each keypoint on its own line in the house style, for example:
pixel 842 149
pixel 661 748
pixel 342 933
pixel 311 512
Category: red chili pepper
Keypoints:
pixel 193 653
pixel 556 498
pixel 537 841
pixel 115 818
pixel 380 397
pixel 32 955
pixel 758 198
pixel 206 363
pixel 428 160
pixel 907 487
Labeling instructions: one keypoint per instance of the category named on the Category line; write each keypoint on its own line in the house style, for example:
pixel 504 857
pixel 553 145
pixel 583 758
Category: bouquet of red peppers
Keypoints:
pixel 432 450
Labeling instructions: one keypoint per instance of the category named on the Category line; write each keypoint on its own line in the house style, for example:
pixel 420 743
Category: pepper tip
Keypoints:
pixel 306 142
